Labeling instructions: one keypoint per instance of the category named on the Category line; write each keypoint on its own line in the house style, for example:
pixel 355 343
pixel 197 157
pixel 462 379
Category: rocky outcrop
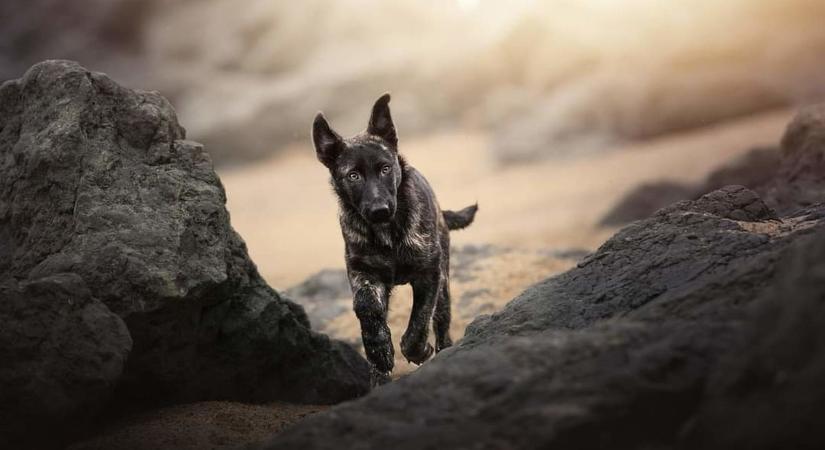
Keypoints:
pixel 753 170
pixel 702 326
pixel 99 188
pixel 647 344
pixel 799 181
pixel 787 178
pixel 646 199
pixel 62 352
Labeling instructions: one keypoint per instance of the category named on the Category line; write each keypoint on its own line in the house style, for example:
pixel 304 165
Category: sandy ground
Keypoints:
pixel 483 279
pixel 286 211
pixel 198 426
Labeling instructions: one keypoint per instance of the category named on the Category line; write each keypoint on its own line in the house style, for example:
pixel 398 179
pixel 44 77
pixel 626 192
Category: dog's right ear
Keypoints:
pixel 328 143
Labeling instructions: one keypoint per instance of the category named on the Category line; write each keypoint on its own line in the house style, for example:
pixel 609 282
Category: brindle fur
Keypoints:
pixel 394 233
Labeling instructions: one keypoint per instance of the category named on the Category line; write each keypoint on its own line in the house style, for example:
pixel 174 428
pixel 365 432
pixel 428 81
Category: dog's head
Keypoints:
pixel 365 169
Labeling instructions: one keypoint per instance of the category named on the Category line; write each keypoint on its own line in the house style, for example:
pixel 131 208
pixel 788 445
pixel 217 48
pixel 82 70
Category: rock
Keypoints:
pixel 799 181
pixel 753 170
pixel 62 351
pixel 644 200
pixel 788 179
pixel 98 181
pixel 324 296
pixel 731 202
pixel 767 385
pixel 676 323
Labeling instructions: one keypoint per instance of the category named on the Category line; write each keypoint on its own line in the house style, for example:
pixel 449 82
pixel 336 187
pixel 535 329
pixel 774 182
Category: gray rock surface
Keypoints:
pixel 646 344
pixel 799 181
pixel 62 351
pixel 324 296
pixel 702 326
pixel 98 181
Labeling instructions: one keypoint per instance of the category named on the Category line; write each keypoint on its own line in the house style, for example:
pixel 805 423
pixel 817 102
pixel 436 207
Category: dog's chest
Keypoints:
pixel 397 254
pixel 411 261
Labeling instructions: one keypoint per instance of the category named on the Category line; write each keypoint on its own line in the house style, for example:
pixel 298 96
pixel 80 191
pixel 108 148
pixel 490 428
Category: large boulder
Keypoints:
pixel 62 351
pixel 700 327
pixel 98 181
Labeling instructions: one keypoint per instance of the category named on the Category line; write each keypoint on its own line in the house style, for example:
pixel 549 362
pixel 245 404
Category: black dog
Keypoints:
pixel 395 233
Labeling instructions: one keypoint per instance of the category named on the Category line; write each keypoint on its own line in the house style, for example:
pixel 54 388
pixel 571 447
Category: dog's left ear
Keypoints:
pixel 381 122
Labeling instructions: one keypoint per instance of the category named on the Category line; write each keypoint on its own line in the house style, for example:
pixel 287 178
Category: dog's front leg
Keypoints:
pixel 370 302
pixel 414 343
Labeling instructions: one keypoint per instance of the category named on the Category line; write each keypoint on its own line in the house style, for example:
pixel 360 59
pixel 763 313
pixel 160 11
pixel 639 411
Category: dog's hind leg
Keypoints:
pixel 370 302
pixel 414 343
pixel 442 317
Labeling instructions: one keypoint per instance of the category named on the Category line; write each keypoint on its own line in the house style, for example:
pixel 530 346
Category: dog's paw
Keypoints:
pixel 416 348
pixel 418 356
pixel 379 350
pixel 377 377
pixel 443 343
pixel 382 359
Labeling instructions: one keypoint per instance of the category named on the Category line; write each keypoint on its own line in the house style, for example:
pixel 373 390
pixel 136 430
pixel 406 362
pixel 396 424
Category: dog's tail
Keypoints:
pixel 457 220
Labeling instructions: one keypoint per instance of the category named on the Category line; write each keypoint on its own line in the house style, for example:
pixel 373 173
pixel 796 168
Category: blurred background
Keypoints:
pixel 550 113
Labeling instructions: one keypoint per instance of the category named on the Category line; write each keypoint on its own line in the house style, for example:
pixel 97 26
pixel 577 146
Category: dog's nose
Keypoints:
pixel 380 213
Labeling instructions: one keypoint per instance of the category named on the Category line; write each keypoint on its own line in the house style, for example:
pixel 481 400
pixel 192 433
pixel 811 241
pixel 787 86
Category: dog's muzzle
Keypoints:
pixel 379 214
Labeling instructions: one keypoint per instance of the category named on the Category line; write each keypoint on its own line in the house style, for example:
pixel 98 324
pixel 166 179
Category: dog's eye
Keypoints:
pixel 385 170
pixel 353 176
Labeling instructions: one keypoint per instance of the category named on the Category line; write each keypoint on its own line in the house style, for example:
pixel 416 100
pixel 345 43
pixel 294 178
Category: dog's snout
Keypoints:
pixel 380 213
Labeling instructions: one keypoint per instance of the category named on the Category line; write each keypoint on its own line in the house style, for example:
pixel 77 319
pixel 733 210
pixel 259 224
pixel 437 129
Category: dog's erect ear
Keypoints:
pixel 328 143
pixel 381 122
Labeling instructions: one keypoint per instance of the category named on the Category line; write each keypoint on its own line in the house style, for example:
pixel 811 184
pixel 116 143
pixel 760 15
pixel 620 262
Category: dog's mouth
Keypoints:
pixel 381 220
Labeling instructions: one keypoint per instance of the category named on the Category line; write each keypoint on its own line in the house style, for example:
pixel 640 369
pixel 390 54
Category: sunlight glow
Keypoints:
pixel 468 5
